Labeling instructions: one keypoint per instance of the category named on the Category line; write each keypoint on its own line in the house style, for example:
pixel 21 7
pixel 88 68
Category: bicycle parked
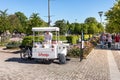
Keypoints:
pixel 26 52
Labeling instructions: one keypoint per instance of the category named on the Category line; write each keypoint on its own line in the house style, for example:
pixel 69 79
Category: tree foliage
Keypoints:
pixel 22 20
pixel 93 26
pixel 4 23
pixel 77 28
pixel 112 17
pixel 15 24
pixel 20 23
pixel 62 25
pixel 34 21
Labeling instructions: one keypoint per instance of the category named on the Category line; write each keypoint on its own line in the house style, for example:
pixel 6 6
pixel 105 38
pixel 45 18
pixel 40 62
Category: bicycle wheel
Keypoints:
pixel 21 54
pixel 24 54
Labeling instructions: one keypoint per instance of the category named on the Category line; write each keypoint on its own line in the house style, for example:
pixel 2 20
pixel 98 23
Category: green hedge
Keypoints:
pixel 74 52
pixel 13 44
pixel 87 36
pixel 39 38
pixel 61 38
pixel 27 41
pixel 72 39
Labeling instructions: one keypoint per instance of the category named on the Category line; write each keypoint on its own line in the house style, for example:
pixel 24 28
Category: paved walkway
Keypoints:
pixel 101 64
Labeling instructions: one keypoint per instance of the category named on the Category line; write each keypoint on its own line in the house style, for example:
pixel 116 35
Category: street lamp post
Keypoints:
pixel 49 13
pixel 100 14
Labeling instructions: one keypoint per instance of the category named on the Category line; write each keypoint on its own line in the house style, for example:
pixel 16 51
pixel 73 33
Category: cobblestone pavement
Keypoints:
pixel 116 54
pixel 95 67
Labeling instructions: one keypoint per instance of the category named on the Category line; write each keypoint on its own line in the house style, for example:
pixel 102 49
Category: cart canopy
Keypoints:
pixel 45 29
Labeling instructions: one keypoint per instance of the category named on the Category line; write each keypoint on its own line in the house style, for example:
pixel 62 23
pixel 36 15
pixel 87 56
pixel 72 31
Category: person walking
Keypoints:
pixel 109 38
pixel 117 40
pixel 102 40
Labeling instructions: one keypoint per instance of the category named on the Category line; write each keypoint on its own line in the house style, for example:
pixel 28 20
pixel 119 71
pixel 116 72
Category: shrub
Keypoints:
pixel 86 51
pixel 74 52
pixel 28 40
pixel 61 37
pixel 87 36
pixel 94 40
pixel 14 43
pixel 72 39
pixel 39 38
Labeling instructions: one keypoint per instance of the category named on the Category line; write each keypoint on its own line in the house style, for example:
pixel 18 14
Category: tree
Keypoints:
pixel 110 28
pixel 91 20
pixel 15 23
pixel 92 25
pixel 4 23
pixel 100 28
pixel 34 21
pixel 112 17
pixel 77 28
pixel 68 25
pixel 62 25
pixel 71 28
pixel 23 20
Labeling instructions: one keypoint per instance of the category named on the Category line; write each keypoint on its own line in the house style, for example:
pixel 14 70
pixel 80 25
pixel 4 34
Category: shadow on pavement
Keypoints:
pixel 31 61
pixel 27 61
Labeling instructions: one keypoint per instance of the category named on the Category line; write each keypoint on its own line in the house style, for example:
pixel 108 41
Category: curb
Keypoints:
pixel 3 49
pixel 92 51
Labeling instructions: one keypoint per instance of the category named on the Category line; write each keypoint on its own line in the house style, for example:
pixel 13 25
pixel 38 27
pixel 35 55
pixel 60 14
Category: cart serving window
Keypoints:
pixel 44 29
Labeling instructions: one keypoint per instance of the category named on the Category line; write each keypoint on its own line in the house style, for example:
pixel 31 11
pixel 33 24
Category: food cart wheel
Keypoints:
pixel 62 58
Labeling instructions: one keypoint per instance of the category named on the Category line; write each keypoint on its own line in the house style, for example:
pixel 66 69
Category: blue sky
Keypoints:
pixel 71 10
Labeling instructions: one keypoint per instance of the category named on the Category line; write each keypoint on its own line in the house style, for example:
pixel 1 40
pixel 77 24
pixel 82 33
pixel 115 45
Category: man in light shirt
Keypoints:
pixel 48 37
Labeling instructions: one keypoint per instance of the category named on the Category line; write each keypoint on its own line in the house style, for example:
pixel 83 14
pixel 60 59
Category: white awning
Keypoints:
pixel 45 29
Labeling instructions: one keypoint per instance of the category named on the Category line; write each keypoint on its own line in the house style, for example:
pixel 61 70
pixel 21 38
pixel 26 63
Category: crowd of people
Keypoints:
pixel 108 40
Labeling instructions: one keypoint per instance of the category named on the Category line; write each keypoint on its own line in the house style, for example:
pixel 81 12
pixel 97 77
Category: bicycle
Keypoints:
pixel 26 52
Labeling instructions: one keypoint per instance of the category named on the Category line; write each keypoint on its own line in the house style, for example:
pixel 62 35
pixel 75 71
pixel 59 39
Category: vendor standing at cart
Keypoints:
pixel 48 37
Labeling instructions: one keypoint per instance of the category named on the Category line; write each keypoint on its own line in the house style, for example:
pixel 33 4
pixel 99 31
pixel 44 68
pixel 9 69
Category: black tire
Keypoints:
pixel 45 61
pixel 23 55
pixel 62 59
pixel 51 60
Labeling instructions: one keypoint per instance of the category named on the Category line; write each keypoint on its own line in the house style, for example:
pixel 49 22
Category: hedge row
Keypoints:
pixel 73 39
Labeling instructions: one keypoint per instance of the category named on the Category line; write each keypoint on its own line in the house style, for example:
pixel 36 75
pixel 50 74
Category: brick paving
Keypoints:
pixel 95 67
pixel 116 54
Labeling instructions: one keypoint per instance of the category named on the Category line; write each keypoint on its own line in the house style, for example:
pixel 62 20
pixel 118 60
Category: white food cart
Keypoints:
pixel 49 51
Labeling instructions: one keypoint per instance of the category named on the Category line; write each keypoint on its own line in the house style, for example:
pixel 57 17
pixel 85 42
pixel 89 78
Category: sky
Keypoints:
pixel 71 10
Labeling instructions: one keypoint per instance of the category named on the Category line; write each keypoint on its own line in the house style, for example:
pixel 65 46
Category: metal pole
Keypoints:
pixel 101 19
pixel 81 48
pixel 48 13
pixel 100 14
